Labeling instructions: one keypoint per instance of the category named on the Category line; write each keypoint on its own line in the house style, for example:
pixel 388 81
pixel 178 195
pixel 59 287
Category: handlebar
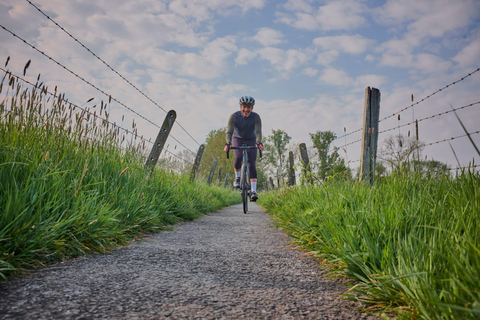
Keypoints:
pixel 242 148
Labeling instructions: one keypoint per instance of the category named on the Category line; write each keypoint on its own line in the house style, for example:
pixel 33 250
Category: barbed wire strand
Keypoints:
pixel 432 94
pixel 452 138
pixel 430 117
pixel 416 103
pixel 90 84
pixel 79 107
pixel 113 124
pixel 110 67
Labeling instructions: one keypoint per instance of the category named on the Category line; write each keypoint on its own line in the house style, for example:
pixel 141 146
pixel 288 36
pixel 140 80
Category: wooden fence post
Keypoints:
pixel 306 163
pixel 271 183
pixel 196 164
pixel 371 114
pixel 219 174
pixel 212 171
pixel 291 175
pixel 161 138
pixel 226 180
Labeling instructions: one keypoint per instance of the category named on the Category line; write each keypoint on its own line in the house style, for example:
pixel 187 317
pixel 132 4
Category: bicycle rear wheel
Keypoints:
pixel 244 186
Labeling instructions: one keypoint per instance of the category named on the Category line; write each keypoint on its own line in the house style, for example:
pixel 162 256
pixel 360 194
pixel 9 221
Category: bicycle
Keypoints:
pixel 245 186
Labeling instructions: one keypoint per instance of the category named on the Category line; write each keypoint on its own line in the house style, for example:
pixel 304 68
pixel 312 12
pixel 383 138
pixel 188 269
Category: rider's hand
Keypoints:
pixel 227 146
pixel 260 146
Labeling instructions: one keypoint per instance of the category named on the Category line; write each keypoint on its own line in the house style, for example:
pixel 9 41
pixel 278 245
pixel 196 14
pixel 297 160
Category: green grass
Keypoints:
pixel 410 244
pixel 67 188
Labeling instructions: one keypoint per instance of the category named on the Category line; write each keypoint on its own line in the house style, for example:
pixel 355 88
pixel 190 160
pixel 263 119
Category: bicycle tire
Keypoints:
pixel 244 186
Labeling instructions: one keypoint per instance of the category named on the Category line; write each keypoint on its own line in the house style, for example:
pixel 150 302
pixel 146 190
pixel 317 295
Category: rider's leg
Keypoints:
pixel 253 182
pixel 252 158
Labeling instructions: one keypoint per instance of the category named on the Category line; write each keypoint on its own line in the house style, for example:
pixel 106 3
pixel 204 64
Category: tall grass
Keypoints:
pixel 410 244
pixel 70 183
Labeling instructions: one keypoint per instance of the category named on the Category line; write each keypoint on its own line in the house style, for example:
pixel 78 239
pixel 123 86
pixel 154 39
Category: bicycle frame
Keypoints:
pixel 244 175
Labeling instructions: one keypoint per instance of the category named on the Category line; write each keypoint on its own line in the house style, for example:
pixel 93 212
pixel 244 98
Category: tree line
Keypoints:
pixel 398 154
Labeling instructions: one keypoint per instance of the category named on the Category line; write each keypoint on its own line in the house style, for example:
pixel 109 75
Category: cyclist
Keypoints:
pixel 245 128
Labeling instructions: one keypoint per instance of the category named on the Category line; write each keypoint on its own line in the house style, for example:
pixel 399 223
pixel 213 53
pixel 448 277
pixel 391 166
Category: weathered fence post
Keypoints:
pixel 226 180
pixel 371 113
pixel 306 163
pixel 271 183
pixel 196 164
pixel 212 171
pixel 291 175
pixel 161 138
pixel 219 174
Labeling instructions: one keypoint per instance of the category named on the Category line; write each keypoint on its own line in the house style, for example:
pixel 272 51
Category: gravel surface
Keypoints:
pixel 226 265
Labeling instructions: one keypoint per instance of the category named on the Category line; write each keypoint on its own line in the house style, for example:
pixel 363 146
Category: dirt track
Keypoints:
pixel 226 265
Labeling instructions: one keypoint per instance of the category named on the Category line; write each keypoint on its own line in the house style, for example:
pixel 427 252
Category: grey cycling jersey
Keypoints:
pixel 244 127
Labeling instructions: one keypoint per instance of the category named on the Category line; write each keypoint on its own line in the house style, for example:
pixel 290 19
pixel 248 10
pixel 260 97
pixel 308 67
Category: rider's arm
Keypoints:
pixel 230 128
pixel 258 128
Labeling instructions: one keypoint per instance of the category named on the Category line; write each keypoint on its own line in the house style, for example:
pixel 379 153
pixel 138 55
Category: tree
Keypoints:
pixel 275 154
pixel 397 151
pixel 330 162
pixel 403 154
pixel 214 144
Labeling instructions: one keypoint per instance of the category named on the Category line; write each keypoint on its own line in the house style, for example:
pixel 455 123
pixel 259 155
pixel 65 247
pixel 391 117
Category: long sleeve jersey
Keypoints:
pixel 244 127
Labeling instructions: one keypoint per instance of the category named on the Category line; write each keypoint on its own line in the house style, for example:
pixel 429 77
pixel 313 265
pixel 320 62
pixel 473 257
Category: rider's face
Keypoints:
pixel 246 110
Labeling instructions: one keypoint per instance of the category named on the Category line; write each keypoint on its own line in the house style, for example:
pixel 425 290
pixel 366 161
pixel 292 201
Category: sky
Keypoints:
pixel 307 63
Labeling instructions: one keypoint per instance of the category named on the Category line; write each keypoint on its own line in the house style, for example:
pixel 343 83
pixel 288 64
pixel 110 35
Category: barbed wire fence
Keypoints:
pixel 109 96
pixel 364 135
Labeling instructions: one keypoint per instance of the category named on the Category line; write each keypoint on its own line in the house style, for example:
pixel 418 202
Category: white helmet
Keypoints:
pixel 247 100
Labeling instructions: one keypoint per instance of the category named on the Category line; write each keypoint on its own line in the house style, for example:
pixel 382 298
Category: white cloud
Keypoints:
pixel 281 60
pixel 334 15
pixel 268 37
pixel 310 72
pixel 423 62
pixel 355 44
pixel 370 80
pixel 327 57
pixel 468 55
pixel 336 77
pixel 244 56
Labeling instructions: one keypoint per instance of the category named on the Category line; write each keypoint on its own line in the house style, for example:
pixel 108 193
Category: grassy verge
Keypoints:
pixel 410 245
pixel 70 185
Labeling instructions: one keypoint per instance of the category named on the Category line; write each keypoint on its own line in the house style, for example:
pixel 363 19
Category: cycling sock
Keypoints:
pixel 254 186
pixel 238 173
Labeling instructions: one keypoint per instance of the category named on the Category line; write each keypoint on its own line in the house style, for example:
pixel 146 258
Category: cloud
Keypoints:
pixel 203 10
pixel 336 77
pixel 355 44
pixel 423 21
pixel 210 63
pixel 283 61
pixel 244 56
pixel 310 72
pixel 468 55
pixel 423 62
pixel 334 15
pixel 370 80
pixel 268 37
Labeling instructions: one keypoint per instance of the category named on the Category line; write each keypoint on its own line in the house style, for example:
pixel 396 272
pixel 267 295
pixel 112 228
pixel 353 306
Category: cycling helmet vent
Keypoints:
pixel 247 100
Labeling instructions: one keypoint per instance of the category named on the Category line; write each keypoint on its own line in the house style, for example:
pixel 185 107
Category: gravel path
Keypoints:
pixel 226 265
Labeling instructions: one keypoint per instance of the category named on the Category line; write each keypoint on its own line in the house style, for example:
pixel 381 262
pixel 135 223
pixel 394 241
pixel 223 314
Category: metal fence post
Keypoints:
pixel 212 171
pixel 196 164
pixel 306 163
pixel 291 175
pixel 161 138
pixel 370 134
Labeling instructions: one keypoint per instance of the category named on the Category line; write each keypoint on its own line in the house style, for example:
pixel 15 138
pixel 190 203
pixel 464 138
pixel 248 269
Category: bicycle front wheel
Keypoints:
pixel 244 186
